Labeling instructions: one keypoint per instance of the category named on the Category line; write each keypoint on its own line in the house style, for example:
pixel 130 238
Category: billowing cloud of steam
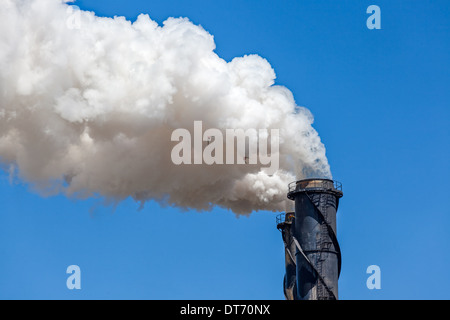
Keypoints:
pixel 89 110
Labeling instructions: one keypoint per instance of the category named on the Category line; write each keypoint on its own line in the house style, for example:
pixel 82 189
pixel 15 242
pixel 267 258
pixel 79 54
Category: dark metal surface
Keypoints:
pixel 311 238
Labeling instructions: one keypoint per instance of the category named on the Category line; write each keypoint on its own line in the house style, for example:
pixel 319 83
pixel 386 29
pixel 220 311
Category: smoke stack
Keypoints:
pixel 312 253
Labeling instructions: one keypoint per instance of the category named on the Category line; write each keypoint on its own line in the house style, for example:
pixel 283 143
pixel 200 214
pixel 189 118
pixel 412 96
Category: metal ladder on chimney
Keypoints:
pixel 323 289
pixel 319 275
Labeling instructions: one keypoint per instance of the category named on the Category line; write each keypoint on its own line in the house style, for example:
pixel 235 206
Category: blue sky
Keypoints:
pixel 381 103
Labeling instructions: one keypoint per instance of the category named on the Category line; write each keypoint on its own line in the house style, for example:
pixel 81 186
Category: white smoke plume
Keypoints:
pixel 88 105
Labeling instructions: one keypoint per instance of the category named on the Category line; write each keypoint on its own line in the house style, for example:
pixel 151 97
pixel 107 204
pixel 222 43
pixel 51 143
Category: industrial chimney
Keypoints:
pixel 312 253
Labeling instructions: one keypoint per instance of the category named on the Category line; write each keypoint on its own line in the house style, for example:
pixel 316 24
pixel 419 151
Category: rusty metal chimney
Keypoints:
pixel 312 253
